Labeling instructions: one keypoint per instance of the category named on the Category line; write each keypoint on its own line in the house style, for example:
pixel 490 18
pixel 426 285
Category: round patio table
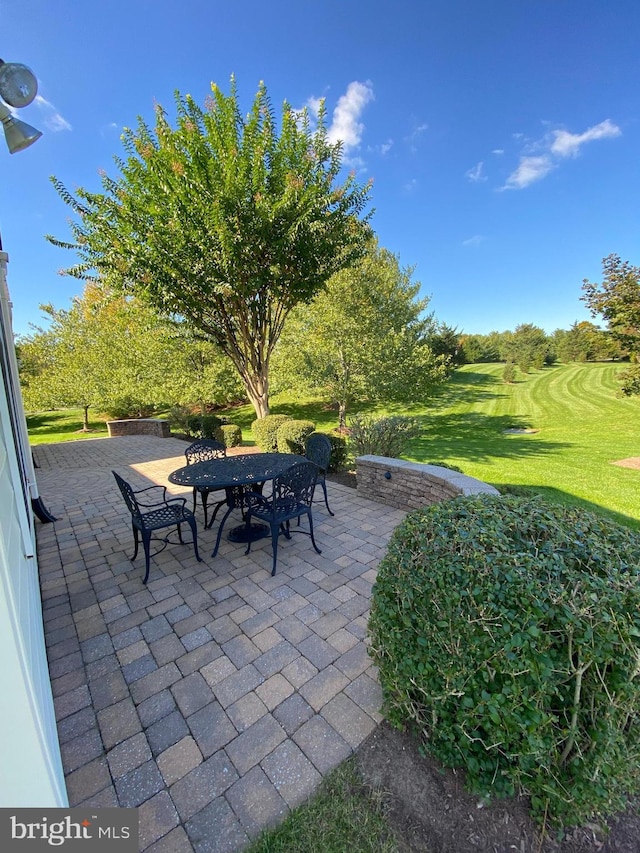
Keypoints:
pixel 235 474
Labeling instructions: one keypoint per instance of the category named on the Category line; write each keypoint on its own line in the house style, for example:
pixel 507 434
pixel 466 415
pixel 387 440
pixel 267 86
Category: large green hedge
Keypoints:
pixel 507 635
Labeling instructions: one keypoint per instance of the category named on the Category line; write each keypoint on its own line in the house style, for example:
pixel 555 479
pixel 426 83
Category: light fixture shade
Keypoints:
pixel 18 84
pixel 18 134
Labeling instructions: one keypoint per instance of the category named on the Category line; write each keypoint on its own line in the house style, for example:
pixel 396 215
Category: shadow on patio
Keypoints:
pixel 215 698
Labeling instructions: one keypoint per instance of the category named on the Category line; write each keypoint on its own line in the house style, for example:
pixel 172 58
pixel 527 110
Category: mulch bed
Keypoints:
pixel 431 812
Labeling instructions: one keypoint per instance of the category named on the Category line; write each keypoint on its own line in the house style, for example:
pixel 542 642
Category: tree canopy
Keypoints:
pixel 585 342
pixel 113 353
pixel 617 300
pixel 224 221
pixel 528 346
pixel 365 337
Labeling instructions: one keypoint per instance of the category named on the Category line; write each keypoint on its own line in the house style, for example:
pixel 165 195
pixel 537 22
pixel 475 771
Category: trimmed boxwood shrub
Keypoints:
pixel 265 431
pixel 230 435
pixel 507 635
pixel 292 435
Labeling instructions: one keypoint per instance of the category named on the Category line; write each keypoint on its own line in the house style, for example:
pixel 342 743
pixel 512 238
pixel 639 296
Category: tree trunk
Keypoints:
pixel 85 418
pixel 342 415
pixel 258 393
pixel 260 405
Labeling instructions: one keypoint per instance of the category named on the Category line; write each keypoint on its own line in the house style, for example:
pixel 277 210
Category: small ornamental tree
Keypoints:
pixel 225 221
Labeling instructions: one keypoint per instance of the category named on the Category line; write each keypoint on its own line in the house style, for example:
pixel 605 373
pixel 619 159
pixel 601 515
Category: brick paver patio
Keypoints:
pixel 215 698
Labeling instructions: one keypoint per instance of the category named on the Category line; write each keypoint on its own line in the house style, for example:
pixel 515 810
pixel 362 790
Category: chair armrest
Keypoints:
pixel 148 501
pixel 175 500
pixel 254 499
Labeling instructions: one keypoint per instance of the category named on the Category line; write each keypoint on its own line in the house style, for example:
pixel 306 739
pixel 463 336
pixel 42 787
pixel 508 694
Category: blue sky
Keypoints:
pixel 503 136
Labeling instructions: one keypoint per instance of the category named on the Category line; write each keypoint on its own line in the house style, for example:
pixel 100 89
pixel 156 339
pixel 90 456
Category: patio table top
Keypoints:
pixel 234 471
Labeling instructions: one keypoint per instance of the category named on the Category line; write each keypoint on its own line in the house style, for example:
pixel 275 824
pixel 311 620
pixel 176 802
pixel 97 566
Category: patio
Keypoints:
pixel 215 698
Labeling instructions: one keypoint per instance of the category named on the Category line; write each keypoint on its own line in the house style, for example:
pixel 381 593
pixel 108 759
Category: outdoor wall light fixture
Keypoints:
pixel 18 88
pixel 387 475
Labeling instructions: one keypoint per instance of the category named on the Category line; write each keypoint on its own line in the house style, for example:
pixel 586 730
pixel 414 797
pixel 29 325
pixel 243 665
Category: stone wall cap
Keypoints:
pixel 389 461
pixel 436 474
pixel 137 420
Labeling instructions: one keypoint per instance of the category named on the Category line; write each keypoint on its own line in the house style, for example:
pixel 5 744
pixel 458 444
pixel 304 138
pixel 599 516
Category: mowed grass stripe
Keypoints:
pixel 583 427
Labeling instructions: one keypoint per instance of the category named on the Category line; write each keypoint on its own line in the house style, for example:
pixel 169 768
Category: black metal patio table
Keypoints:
pixel 235 474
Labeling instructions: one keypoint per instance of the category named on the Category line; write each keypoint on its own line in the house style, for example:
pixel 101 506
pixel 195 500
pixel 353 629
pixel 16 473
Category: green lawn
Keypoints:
pixel 63 425
pixel 582 428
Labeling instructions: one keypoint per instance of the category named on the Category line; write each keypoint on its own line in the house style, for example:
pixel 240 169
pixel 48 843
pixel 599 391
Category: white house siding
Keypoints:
pixel 30 768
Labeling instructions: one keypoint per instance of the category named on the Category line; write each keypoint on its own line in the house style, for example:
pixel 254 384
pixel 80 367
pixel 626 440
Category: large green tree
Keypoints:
pixel 365 337
pixel 617 299
pixel 226 221
pixel 528 346
pixel 112 353
pixel 585 342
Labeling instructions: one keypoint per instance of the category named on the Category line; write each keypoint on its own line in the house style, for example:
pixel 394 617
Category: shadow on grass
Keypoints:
pixel 565 499
pixel 54 424
pixel 478 438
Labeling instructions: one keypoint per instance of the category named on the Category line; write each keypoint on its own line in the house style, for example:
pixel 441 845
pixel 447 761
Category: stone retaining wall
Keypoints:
pixel 139 426
pixel 411 485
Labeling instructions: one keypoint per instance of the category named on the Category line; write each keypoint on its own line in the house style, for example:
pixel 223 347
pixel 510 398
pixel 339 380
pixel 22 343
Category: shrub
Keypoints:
pixel 385 436
pixel 630 379
pixel 265 431
pixel 292 435
pixel 128 407
pixel 509 373
pixel 204 426
pixel 179 419
pixel 506 631
pixel 339 454
pixel 230 435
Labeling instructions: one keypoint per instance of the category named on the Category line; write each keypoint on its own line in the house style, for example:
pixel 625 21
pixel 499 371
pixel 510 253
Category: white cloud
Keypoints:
pixel 52 118
pixel 386 147
pixel 345 124
pixel 567 144
pixel 498 151
pixel 474 241
pixel 414 136
pixel 410 185
pixel 313 105
pixel 475 174
pixel 109 128
pixel 530 170
pixel 543 156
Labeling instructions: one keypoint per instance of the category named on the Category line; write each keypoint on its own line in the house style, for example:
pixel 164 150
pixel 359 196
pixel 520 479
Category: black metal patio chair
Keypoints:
pixel 148 515
pixel 291 497
pixel 318 450
pixel 204 450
